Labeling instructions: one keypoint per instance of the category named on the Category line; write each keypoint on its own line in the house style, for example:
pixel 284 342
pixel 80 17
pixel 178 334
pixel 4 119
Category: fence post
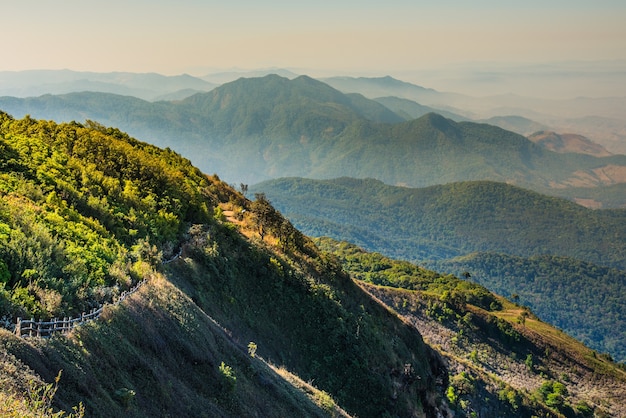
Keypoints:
pixel 39 328
pixel 18 327
pixel 32 325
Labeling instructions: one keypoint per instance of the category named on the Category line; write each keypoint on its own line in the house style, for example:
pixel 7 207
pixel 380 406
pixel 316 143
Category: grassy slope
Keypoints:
pixel 499 369
pixel 322 326
pixel 493 354
pixel 80 187
pixel 168 352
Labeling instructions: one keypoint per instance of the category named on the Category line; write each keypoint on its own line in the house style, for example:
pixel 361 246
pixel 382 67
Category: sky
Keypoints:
pixel 434 39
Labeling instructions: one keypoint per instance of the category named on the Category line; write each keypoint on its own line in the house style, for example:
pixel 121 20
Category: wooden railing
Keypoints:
pixel 33 328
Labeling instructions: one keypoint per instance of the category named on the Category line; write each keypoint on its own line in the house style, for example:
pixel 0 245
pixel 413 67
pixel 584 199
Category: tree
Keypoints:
pixel 521 319
pixel 266 216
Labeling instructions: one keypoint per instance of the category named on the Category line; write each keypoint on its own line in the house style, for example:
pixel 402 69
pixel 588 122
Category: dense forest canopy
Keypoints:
pixel 88 211
pixel 445 221
pixel 584 299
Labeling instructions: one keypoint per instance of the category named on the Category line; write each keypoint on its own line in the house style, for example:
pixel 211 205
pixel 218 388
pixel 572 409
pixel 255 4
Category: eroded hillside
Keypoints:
pixel 502 360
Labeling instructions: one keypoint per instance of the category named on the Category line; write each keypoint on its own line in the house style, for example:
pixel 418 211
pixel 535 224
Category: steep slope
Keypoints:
pixel 552 251
pixel 87 212
pixel 275 127
pixel 582 298
pixel 495 349
pixel 158 354
pixel 232 288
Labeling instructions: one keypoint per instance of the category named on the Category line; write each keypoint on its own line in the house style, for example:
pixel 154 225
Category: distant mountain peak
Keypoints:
pixel 386 81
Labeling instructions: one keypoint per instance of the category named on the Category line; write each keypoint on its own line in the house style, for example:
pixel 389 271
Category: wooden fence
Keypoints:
pixel 33 328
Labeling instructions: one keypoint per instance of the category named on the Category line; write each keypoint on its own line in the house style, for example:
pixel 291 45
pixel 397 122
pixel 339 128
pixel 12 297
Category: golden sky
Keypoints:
pixel 323 36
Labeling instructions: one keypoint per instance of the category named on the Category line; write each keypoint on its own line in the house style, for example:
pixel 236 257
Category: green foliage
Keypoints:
pixel 583 299
pixel 37 403
pixel 453 226
pixel 441 222
pixel 317 322
pixel 277 127
pixel 553 394
pixel 325 401
pixel 77 203
pixel 584 409
pixel 529 362
pixel 252 349
pixel 269 220
pixel 511 396
pixel 452 395
pixel 229 379
pixel 452 292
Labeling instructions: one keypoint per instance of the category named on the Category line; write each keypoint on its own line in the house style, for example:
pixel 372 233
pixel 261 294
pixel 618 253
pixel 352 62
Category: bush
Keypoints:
pixel 228 377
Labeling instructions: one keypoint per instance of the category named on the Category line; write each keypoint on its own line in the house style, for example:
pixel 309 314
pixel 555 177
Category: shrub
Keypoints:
pixel 228 377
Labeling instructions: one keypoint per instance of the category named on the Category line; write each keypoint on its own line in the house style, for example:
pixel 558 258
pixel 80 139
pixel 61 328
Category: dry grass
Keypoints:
pixel 556 356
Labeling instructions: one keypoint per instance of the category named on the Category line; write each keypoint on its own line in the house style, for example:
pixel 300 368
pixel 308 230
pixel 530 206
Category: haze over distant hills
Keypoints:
pixel 276 127
pixel 601 119
pixel 598 118
pixel 147 86
pixel 89 212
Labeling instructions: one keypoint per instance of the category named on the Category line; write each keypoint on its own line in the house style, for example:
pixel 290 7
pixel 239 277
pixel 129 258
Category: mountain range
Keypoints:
pixel 598 118
pixel 147 86
pixel 239 313
pixel 276 127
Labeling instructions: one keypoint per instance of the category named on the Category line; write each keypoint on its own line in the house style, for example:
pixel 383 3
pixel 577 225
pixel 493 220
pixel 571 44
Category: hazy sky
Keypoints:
pixel 339 36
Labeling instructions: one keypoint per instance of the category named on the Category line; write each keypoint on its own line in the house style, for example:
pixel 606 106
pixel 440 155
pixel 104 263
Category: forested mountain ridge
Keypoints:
pixel 87 211
pixel 531 242
pixel 445 221
pixel 601 119
pixel 277 127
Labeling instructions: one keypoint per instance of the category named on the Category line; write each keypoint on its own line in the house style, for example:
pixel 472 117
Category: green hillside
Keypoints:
pixel 495 349
pixel 240 313
pixel 551 250
pixel 584 299
pixel 275 127
pixel 87 212
pixel 442 222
